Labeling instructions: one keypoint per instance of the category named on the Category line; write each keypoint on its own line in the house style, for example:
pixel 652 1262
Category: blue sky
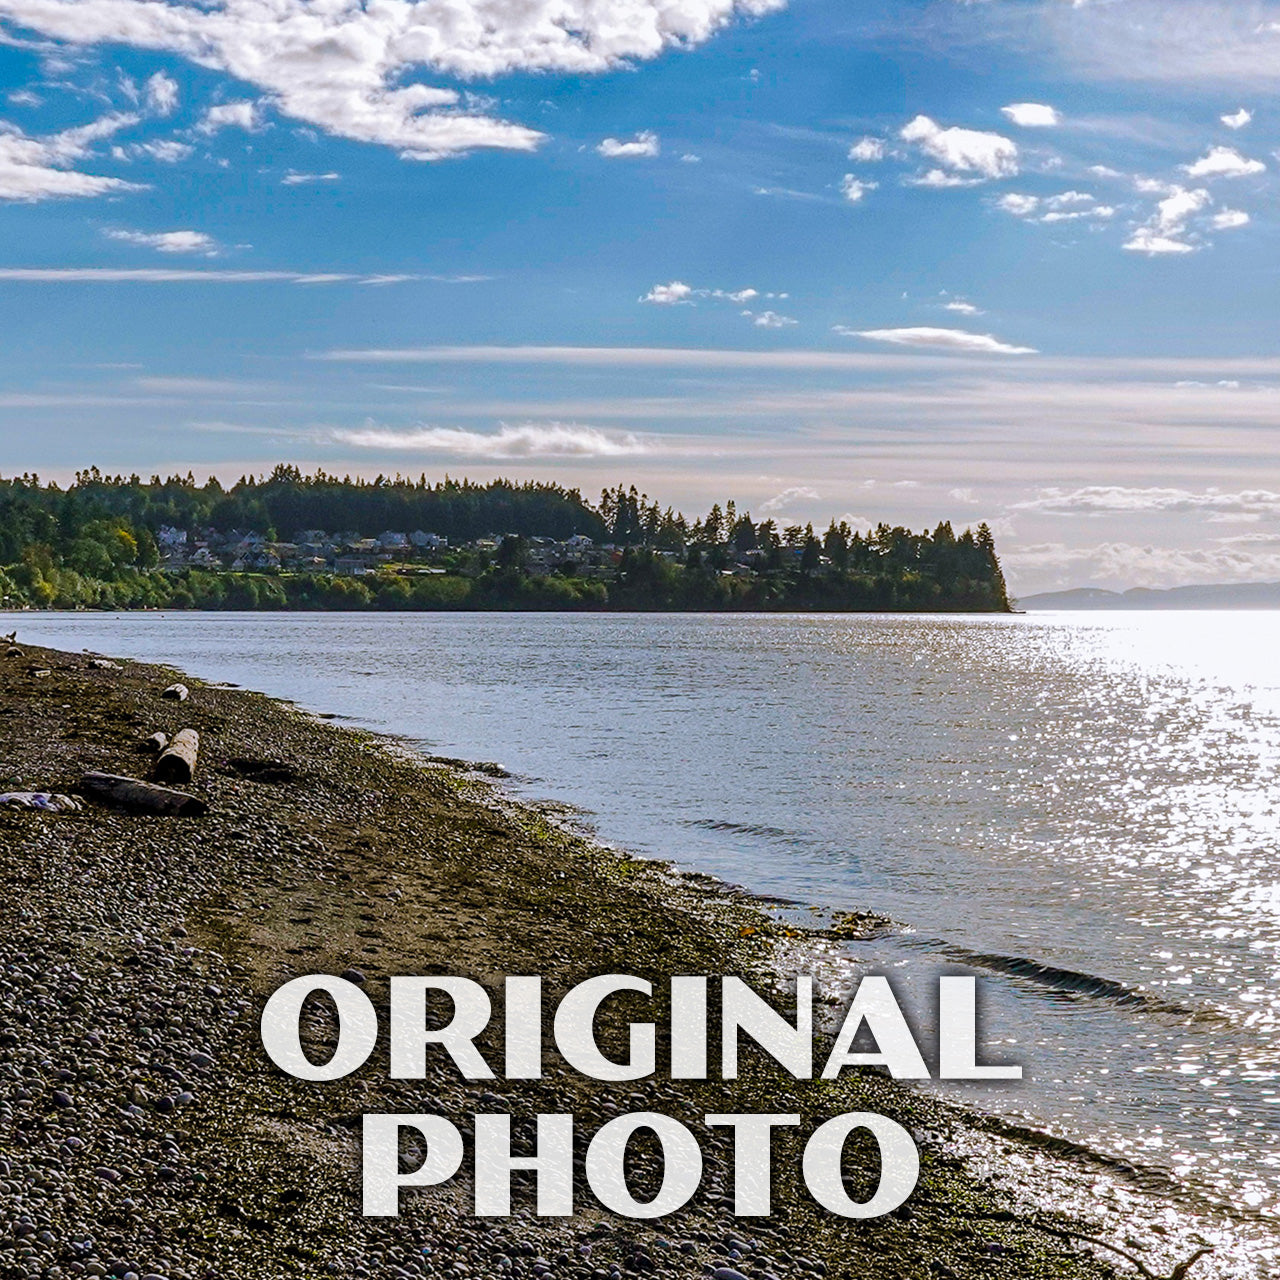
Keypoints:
pixel 1011 260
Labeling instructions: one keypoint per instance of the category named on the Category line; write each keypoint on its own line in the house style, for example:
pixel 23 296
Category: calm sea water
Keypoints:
pixel 1082 809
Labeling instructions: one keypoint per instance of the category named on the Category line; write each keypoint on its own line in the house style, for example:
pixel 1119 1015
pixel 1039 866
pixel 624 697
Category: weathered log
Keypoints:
pixel 177 761
pixel 141 797
pixel 104 664
pixel 175 693
pixel 155 744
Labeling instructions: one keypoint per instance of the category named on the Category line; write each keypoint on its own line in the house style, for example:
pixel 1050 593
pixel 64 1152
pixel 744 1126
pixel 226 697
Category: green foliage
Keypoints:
pixel 94 545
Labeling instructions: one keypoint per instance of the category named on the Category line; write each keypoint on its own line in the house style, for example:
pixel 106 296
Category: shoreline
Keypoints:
pixel 278 879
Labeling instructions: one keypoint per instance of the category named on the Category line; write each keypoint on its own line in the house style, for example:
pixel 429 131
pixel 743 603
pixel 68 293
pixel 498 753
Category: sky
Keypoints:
pixel 901 260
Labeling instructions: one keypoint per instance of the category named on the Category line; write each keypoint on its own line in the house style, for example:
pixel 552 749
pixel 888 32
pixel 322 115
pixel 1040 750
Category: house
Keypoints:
pixel 353 566
pixel 428 541
pixel 393 541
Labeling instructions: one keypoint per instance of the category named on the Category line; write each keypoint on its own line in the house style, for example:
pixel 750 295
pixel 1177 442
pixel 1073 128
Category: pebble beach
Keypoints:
pixel 144 1134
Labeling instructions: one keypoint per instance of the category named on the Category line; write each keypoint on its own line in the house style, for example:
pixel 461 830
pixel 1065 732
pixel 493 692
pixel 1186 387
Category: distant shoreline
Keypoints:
pixel 1225 595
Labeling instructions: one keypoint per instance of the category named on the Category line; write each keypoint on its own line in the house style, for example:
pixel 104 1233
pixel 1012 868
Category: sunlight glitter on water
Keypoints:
pixel 1074 806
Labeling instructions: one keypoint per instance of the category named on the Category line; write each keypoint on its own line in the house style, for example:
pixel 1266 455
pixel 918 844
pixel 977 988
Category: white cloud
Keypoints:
pixel 1223 162
pixel 677 293
pixel 938 339
pixel 295 179
pixel 1238 120
pixel 1032 115
pixel 690 158
pixel 962 308
pixel 1230 220
pixel 1068 206
pixel 231 115
pixel 1121 565
pixel 165 275
pixel 770 320
pixel 669 295
pixel 853 189
pixel 644 143
pixel 527 440
pixel 1019 205
pixel 1152 243
pixel 162 93
pixel 788 497
pixel 1095 500
pixel 963 151
pixel 347 67
pixel 867 150
pixel 942 180
pixel 165 150
pixel 34 169
pixel 1164 233
pixel 170 241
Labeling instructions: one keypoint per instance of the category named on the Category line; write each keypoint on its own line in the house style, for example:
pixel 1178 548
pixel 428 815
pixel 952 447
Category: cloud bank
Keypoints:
pixel 527 440
pixel 346 67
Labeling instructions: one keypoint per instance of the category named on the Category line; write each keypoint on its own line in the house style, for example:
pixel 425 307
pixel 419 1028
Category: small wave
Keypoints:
pixel 1070 982
pixel 749 829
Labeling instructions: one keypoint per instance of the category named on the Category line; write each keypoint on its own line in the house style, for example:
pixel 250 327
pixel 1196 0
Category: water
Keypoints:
pixel 1094 794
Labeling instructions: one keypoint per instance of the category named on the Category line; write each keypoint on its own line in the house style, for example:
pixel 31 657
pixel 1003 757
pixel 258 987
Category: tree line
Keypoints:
pixel 94 544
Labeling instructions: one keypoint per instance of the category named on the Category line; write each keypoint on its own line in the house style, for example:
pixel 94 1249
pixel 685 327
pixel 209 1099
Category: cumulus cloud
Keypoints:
pixel 966 154
pixel 788 497
pixel 853 189
pixel 1223 162
pixel 962 308
pixel 1032 115
pixel 1067 206
pixel 1238 119
pixel 867 150
pixel 1019 205
pixel 644 143
pixel 346 67
pixel 770 320
pixel 677 293
pixel 162 93
pixel 526 440
pixel 231 115
pixel 34 169
pixel 170 241
pixel 1165 232
pixel 669 295
pixel 1230 220
pixel 938 340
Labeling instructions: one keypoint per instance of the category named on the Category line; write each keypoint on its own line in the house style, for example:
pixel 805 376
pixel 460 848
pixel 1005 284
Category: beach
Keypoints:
pixel 146 1132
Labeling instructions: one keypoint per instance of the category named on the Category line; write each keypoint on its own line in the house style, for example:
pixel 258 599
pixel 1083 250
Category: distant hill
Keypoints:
pixel 1221 595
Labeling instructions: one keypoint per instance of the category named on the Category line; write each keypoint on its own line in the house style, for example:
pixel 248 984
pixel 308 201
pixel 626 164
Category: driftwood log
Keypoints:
pixel 177 762
pixel 141 797
pixel 155 744
pixel 175 693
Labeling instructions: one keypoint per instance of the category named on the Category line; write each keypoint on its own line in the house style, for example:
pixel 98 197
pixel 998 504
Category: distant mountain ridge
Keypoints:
pixel 1220 595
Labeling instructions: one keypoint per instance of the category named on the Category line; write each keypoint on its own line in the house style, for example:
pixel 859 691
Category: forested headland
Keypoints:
pixel 290 540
